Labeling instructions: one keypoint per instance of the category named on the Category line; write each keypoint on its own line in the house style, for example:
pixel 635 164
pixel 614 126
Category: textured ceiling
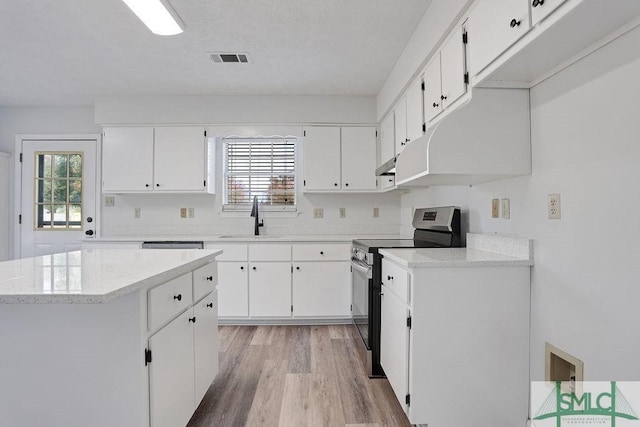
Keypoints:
pixel 69 52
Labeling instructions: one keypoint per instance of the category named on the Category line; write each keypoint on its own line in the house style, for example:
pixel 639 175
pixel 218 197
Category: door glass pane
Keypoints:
pixel 75 165
pixel 60 166
pixel 58 188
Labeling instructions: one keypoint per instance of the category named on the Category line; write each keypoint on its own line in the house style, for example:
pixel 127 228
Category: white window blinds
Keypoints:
pixel 259 167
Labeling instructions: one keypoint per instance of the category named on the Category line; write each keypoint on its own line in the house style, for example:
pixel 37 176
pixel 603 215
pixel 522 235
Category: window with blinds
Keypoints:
pixel 264 168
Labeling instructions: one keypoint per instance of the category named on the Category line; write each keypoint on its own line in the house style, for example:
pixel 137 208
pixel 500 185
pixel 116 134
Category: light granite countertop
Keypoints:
pixel 94 275
pixel 231 238
pixel 482 251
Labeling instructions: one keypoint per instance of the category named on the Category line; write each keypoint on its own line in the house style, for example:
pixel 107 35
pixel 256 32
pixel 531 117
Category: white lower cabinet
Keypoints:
pixel 321 289
pixel 182 356
pixel 205 344
pixel 233 289
pixel 394 333
pixel 463 358
pixel 171 373
pixel 270 289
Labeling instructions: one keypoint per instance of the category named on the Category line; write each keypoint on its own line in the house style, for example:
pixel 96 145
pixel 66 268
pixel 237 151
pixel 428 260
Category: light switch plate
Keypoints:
pixel 495 208
pixel 505 208
pixel 318 213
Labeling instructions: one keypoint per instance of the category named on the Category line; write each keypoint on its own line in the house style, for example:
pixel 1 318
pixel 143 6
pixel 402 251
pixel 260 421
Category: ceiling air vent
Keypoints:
pixel 218 57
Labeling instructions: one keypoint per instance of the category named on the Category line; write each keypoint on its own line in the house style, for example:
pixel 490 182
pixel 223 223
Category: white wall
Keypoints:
pixel 431 31
pixel 235 109
pixel 585 282
pixel 54 120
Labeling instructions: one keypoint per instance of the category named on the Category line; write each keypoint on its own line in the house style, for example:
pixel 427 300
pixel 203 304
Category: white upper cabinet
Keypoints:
pixel 127 159
pixel 400 117
pixel 359 158
pixel 339 159
pixel 179 158
pixel 444 77
pixel 415 117
pixel 161 159
pixel 432 89
pixel 540 9
pixel 387 139
pixel 321 158
pixel 453 66
pixel 494 25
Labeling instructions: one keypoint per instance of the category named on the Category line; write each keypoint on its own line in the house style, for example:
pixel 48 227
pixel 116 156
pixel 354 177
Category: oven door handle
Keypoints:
pixel 364 270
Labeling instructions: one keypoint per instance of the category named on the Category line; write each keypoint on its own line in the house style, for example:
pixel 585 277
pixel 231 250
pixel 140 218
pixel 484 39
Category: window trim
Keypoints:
pixel 241 208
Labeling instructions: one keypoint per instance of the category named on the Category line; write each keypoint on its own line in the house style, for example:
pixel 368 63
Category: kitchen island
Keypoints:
pixel 107 337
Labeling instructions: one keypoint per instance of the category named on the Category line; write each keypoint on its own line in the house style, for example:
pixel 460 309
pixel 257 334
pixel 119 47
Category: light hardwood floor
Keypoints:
pixel 295 376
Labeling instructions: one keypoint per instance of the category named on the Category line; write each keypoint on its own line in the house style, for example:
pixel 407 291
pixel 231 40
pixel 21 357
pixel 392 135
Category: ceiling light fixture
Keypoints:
pixel 157 15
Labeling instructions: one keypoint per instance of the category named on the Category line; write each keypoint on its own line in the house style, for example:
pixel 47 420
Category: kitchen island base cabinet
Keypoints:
pixel 467 346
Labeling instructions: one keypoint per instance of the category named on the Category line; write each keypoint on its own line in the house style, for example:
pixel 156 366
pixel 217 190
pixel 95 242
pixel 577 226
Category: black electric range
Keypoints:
pixel 434 228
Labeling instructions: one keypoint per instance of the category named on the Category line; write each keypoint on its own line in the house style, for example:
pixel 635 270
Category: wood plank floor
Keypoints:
pixel 295 376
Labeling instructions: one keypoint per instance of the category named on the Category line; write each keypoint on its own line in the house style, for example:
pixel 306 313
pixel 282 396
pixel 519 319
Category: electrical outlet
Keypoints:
pixel 183 212
pixel 553 205
pixel 136 212
pixel 495 208
pixel 376 212
pixel 109 201
pixel 343 212
pixel 191 212
pixel 505 208
pixel 318 213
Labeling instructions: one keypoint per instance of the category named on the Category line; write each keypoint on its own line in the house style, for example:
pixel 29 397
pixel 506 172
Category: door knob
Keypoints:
pixel 89 232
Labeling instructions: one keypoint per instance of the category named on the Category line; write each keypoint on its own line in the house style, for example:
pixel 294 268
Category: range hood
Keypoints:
pixel 486 139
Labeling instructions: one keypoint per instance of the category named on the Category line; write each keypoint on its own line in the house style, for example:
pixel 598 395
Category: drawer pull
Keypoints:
pixel 210 278
pixel 242 267
pixel 210 305
pixel 321 252
pixel 389 277
pixel 254 268
pixel 192 319
pixel 178 297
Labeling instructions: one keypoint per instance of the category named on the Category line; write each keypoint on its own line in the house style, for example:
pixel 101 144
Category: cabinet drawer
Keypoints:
pixel 229 252
pixel 169 299
pixel 322 252
pixel 205 280
pixel 397 279
pixel 260 252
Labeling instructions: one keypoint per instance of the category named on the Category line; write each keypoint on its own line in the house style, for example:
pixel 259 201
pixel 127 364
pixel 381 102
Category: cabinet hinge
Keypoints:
pixel 20 157
pixel 409 322
pixel 466 78
pixel 20 219
pixel 304 133
pixel 292 268
pixel 205 133
pixel 147 356
pixel 407 399
pixel 292 308
pixel 304 183
pixel 422 86
pixel 205 182
pixel 376 134
pixel 351 307
pixel 465 38
pixel 424 127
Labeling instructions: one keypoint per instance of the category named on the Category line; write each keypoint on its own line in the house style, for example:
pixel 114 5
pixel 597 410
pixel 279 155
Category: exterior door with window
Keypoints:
pixel 58 203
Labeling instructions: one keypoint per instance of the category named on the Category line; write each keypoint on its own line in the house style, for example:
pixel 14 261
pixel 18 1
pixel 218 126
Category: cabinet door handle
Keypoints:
pixel 242 267
pixel 443 98
pixel 321 252
pixel 210 305
pixel 389 277
pixel 146 185
pixel 254 268
pixel 435 105
pixel 192 319
pixel 298 268
pixel 514 23
pixel 537 3
pixel 178 297
pixel 346 184
pixel 210 278
pixel 157 185
pixel 335 184
pixel 403 143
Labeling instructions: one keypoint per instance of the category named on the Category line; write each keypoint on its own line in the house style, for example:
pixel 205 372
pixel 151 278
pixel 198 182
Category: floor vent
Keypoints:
pixel 229 58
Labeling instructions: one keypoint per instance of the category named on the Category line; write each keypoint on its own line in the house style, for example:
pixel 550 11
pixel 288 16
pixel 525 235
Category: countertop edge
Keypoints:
pixel 433 263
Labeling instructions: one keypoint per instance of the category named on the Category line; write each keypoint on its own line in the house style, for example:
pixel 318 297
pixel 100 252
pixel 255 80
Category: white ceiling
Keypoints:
pixel 69 52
